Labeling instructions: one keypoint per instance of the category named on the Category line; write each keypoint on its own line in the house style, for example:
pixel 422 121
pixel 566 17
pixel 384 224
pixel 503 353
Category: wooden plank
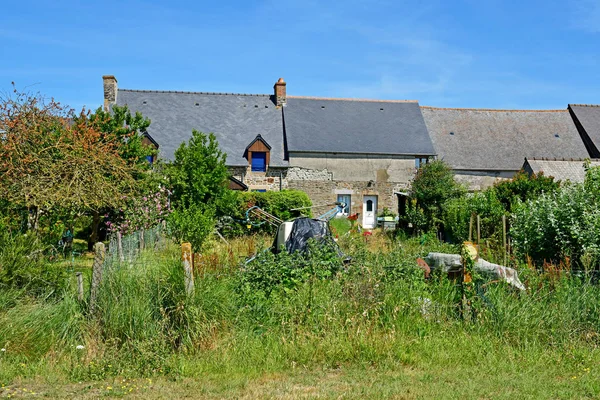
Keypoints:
pixel 96 274
pixel 187 261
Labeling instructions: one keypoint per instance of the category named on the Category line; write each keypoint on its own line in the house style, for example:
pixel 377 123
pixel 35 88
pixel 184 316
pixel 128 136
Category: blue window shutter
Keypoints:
pixel 259 161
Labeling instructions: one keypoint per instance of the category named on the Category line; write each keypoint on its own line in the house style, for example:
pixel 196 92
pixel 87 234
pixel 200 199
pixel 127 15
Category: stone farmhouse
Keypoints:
pixel 361 152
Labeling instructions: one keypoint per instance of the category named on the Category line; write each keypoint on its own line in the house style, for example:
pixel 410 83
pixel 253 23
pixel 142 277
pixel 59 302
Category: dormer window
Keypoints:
pixel 147 140
pixel 259 161
pixel 258 154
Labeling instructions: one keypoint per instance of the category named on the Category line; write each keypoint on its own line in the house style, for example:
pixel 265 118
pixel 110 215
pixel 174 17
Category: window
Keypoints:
pixel 344 198
pixel 259 161
pixel 150 159
pixel 369 205
pixel 259 190
pixel 420 161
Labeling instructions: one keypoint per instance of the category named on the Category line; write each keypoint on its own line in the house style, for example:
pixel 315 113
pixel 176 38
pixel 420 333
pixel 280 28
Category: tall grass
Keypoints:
pixel 378 311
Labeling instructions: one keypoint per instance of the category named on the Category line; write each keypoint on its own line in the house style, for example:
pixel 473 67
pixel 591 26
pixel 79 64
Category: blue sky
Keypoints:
pixel 469 53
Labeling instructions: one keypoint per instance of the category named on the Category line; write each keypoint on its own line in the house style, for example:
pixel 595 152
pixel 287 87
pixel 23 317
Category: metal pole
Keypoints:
pixel 79 286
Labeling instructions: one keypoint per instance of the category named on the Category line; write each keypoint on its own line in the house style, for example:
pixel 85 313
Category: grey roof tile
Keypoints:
pixel 356 126
pixel 478 139
pixel 563 170
pixel 589 117
pixel 235 119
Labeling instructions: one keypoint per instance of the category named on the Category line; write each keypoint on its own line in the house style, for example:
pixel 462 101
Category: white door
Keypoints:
pixel 369 211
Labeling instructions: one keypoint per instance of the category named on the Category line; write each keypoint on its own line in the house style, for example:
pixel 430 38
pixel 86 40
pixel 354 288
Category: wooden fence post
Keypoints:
pixel 120 247
pixel 471 229
pixel 187 260
pixel 478 232
pixel 504 238
pixel 96 274
pixel 79 286
pixel 142 244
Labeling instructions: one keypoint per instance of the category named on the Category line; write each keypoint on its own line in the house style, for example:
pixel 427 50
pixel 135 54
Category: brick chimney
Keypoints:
pixel 110 91
pixel 280 96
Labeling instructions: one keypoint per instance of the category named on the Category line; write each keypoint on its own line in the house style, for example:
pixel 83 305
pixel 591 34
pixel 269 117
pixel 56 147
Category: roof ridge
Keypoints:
pixel 487 109
pixel 351 99
pixel 585 105
pixel 561 159
pixel 187 92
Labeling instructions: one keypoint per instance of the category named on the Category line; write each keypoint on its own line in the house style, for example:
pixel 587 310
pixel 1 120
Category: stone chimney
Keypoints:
pixel 280 96
pixel 110 91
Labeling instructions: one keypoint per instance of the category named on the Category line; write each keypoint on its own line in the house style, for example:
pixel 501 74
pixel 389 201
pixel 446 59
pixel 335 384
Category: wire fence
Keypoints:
pixel 126 250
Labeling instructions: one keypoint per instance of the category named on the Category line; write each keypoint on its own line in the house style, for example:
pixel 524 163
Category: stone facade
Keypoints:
pixel 480 180
pixel 274 179
pixel 322 188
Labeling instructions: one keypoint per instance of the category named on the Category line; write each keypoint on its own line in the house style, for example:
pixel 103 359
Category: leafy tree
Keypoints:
pixel 432 186
pixel 124 129
pixel 198 177
pixel 524 187
pixel 53 159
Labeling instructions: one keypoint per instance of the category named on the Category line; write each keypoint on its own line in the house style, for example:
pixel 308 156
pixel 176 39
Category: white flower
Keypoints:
pixel 3 349
pixel 80 347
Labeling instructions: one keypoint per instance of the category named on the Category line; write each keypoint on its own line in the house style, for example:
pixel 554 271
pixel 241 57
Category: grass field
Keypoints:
pixel 374 330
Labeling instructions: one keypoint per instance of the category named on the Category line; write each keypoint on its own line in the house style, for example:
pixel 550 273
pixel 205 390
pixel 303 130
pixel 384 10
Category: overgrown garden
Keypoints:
pixel 375 327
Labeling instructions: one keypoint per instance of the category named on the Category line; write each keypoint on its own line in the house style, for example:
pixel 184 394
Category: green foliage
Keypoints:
pixel 127 129
pixel 415 217
pixel 432 186
pixel 198 177
pixel 340 226
pixel 192 224
pixel 280 204
pixel 562 224
pixel 379 312
pixel 269 272
pixel 457 215
pixel 386 212
pixel 23 266
pixel 524 187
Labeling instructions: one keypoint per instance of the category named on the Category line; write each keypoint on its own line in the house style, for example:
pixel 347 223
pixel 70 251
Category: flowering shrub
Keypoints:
pixel 140 212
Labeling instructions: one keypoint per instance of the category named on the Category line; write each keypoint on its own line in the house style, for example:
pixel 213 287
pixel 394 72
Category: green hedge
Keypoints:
pixel 279 204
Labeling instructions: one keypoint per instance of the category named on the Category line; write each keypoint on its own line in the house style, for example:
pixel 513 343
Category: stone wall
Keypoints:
pixel 269 180
pixel 323 189
pixel 358 167
pixel 480 180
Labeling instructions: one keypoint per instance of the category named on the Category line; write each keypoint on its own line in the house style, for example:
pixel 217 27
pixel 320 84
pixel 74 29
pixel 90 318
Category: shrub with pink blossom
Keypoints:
pixel 140 212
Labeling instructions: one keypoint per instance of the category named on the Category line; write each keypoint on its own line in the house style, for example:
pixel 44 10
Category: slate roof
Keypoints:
pixel 355 126
pixel 587 119
pixel 479 139
pixel 572 170
pixel 235 119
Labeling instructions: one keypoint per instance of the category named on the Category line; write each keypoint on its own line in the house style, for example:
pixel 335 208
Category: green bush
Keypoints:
pixel 561 224
pixel 432 186
pixel 192 224
pixel 23 266
pixel 269 272
pixel 524 187
pixel 458 211
pixel 278 204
